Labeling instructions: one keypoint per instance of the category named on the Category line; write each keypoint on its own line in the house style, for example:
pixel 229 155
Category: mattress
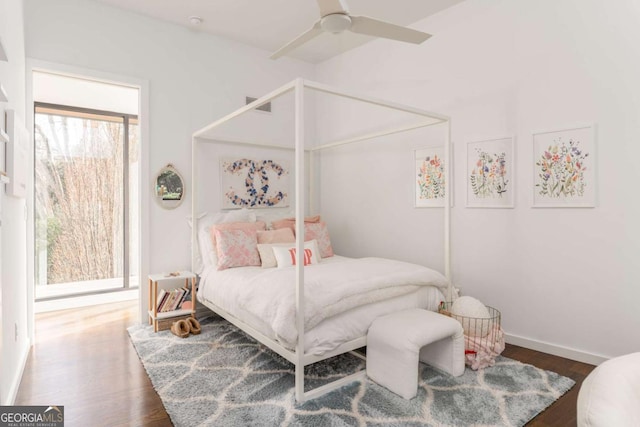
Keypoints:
pixel 223 289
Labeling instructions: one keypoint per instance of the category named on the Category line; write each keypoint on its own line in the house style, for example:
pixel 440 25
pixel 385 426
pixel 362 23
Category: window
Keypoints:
pixel 86 169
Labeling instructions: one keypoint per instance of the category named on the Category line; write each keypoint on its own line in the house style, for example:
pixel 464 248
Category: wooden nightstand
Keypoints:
pixel 163 320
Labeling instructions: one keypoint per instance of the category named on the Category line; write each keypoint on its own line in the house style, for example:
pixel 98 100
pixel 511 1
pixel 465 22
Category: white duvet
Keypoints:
pixel 331 288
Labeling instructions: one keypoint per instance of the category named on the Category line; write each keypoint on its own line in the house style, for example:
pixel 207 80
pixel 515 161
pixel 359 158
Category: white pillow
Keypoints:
pixel 205 219
pixel 267 257
pixel 286 255
pixel 207 251
pixel 238 215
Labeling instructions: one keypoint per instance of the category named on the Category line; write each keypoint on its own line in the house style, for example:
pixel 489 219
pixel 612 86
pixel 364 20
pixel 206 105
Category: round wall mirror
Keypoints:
pixel 169 187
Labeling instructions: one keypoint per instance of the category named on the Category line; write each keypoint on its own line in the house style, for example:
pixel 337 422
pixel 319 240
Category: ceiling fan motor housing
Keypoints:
pixel 335 22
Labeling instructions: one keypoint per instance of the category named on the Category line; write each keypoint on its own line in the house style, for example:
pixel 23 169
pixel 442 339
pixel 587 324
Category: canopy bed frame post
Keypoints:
pixel 299 191
pixel 312 182
pixel 447 208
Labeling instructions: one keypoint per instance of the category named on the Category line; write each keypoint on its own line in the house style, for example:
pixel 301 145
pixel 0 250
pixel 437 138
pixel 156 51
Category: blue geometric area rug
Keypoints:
pixel 223 377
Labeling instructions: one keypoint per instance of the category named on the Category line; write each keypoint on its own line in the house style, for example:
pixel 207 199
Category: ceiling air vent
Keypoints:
pixel 264 107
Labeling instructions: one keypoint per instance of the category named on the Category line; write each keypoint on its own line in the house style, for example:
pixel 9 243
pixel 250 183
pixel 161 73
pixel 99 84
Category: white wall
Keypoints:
pixel 367 198
pixel 193 79
pixel 14 249
pixel 566 277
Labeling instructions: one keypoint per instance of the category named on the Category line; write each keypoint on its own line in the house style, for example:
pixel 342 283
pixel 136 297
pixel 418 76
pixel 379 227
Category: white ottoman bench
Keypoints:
pixel 397 341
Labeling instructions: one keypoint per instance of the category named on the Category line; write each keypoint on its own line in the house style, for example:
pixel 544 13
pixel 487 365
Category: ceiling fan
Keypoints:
pixel 335 18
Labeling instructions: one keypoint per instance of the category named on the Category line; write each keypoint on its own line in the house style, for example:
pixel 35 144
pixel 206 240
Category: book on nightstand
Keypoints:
pixel 186 295
pixel 162 296
pixel 178 298
pixel 170 302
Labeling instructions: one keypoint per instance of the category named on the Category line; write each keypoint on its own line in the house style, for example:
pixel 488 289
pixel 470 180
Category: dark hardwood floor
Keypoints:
pixel 83 359
pixel 563 411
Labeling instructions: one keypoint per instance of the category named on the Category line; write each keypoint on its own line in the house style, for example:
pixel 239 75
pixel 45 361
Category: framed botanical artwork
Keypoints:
pixel 564 167
pixel 490 173
pixel 250 183
pixel 429 177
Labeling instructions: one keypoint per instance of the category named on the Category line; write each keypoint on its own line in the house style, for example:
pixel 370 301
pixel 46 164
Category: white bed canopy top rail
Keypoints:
pixel 423 118
pixel 300 146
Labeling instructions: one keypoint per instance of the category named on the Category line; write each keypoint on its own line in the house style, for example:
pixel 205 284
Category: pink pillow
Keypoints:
pixel 237 248
pixel 319 232
pixel 282 235
pixel 258 225
pixel 291 222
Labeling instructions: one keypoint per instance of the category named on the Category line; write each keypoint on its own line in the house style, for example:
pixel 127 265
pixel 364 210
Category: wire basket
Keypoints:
pixel 479 332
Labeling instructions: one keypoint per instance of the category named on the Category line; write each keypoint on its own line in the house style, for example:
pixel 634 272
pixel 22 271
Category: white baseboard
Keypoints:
pixel 85 301
pixel 17 378
pixel 556 350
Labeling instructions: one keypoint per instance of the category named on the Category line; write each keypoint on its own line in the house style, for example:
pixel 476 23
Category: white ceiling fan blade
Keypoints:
pixel 328 7
pixel 387 30
pixel 298 41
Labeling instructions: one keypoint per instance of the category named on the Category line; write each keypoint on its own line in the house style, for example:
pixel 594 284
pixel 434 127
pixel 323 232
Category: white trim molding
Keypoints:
pixel 556 350
pixel 142 85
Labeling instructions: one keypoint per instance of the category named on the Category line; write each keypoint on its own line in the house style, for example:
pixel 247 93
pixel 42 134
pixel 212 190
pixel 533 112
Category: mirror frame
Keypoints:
pixel 168 203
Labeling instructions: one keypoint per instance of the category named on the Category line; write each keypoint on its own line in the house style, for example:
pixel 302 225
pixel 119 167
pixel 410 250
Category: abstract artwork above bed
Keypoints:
pixel 249 183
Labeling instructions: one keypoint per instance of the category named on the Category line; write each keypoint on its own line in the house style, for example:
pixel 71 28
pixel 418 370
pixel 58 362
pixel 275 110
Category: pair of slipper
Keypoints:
pixel 183 327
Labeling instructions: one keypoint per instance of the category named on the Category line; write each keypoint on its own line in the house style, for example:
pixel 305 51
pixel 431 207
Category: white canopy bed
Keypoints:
pixel 305 337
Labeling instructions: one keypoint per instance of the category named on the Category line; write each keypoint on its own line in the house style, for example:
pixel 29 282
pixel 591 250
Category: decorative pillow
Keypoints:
pixel 237 248
pixel 207 249
pixel 267 257
pixel 291 222
pixel 282 235
pixel 257 226
pixel 319 232
pixel 286 255
pixel 266 253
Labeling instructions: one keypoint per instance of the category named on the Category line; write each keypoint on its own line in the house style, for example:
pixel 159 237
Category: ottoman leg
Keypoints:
pixel 394 369
pixel 446 354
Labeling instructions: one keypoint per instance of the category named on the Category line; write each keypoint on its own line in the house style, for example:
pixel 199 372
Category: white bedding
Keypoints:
pixel 342 297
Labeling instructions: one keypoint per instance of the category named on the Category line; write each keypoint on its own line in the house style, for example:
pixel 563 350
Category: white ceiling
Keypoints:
pixel 271 24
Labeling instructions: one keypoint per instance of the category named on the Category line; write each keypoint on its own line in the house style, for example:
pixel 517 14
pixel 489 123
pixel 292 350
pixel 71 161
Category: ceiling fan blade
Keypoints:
pixel 328 7
pixel 298 41
pixel 387 30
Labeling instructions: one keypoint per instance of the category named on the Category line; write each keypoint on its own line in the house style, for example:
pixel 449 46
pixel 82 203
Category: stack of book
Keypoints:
pixel 169 300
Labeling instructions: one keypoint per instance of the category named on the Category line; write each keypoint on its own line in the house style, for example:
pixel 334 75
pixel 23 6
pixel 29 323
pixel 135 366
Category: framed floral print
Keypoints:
pixel 490 173
pixel 564 166
pixel 429 177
